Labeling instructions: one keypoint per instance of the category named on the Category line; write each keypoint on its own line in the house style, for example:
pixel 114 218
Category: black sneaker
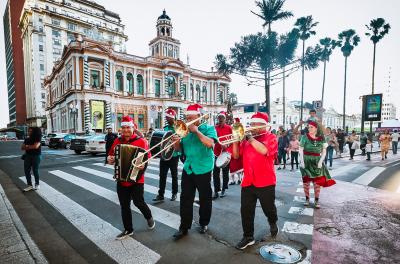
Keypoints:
pixel 245 242
pixel 232 183
pixel 223 193
pixel 180 234
pixel 173 197
pixel 203 229
pixel 279 168
pixel 124 235
pixel 274 229
pixel 150 223
pixel 216 195
pixel 158 198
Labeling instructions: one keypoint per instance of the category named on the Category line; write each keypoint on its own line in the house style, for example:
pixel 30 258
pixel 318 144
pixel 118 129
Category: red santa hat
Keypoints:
pixel 170 113
pixel 259 118
pixel 222 113
pixel 313 123
pixel 193 109
pixel 237 119
pixel 127 121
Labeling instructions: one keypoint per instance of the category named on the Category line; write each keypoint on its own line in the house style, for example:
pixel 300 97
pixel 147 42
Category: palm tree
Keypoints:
pixel 270 11
pixel 378 29
pixel 305 26
pixel 348 39
pixel 328 45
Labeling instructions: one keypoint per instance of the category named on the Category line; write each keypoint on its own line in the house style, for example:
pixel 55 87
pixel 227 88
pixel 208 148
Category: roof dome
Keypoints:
pixel 164 16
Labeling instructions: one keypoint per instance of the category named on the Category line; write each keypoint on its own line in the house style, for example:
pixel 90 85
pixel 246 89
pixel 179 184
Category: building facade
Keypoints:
pixel 49 25
pixel 14 64
pixel 93 86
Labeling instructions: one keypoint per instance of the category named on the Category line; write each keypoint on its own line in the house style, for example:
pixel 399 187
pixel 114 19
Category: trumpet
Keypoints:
pixel 239 132
pixel 181 129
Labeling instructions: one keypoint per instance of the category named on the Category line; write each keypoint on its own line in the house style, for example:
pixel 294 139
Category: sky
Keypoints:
pixel 208 27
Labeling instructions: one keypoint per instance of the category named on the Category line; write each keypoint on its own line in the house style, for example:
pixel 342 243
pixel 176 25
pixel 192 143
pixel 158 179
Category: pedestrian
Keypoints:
pixel 258 151
pixel 312 155
pixel 198 148
pixel 109 139
pixel 385 140
pixel 395 141
pixel 330 138
pixel 171 164
pixel 32 157
pixel 368 149
pixel 149 133
pixel 222 130
pixel 341 140
pixel 352 141
pixel 294 145
pixel 363 142
pixel 130 190
pixel 283 144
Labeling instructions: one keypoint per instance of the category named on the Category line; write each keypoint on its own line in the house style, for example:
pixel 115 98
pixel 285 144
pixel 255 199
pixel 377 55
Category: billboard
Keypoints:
pixel 97 114
pixel 372 107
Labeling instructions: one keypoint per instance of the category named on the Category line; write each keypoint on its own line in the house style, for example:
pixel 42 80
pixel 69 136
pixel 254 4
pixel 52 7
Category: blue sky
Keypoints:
pixel 207 27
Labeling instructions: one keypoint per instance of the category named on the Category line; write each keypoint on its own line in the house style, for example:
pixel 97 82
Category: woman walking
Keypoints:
pixel 385 140
pixel 294 145
pixel 352 141
pixel 32 157
pixel 330 138
pixel 312 155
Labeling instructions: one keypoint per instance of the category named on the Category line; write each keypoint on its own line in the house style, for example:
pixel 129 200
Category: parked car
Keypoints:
pixel 96 144
pixel 61 141
pixel 50 135
pixel 78 143
pixel 43 140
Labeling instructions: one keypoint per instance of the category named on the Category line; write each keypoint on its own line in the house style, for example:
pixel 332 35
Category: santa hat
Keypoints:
pixel 313 123
pixel 259 118
pixel 237 119
pixel 193 109
pixel 222 113
pixel 170 113
pixel 127 121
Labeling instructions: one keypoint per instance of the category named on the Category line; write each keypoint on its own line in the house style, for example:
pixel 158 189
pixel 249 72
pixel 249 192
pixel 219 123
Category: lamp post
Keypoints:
pixel 74 112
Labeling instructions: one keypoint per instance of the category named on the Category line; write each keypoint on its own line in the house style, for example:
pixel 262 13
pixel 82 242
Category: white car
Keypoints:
pixel 96 144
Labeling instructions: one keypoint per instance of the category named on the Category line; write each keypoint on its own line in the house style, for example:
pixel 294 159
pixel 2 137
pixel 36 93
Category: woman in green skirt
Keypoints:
pixel 312 167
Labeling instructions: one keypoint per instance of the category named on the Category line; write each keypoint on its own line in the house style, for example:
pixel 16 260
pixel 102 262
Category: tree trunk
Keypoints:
pixel 284 99
pixel 373 82
pixel 266 82
pixel 302 84
pixel 323 84
pixel 344 94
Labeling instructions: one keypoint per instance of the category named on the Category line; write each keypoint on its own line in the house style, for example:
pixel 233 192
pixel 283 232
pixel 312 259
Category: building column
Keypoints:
pixel 79 116
pixel 107 75
pixel 85 72
pixel 124 81
pixel 77 75
pixel 87 116
pixel 108 114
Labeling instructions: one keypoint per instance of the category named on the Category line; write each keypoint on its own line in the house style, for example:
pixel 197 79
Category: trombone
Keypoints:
pixel 239 132
pixel 181 129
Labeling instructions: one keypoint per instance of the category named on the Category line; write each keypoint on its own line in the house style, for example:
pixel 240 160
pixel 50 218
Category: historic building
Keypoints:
pixel 49 25
pixel 93 85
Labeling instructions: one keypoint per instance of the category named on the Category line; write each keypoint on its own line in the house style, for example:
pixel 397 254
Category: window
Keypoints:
pixel 43 104
pixel 204 94
pixel 71 27
pixel 191 92
pixel 41 38
pixel 56 33
pixel 140 121
pixel 140 84
pixel 56 51
pixel 41 67
pixel 119 119
pixel 198 93
pixel 40 47
pixel 40 28
pixel 184 91
pixel 119 81
pixel 56 42
pixel 94 78
pixel 54 21
pixel 43 96
pixel 129 79
pixel 70 37
pixel 171 85
pixel 157 88
pixel 132 116
pixel 40 19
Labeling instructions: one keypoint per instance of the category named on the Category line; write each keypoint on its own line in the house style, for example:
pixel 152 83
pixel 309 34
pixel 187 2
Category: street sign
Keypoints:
pixel 317 104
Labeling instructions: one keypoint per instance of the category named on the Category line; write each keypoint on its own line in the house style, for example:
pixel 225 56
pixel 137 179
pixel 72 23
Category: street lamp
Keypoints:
pixel 74 112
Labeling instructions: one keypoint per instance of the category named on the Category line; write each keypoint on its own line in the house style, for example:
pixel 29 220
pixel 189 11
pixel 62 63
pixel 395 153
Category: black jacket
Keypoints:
pixel 109 138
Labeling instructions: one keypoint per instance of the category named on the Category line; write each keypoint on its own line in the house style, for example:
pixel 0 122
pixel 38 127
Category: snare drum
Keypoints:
pixel 157 137
pixel 223 159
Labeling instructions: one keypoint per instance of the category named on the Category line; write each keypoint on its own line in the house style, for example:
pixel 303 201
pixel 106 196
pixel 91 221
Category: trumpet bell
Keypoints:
pixel 181 128
pixel 238 131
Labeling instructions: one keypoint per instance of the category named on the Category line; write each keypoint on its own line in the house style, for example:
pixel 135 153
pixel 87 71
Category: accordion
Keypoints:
pixel 126 157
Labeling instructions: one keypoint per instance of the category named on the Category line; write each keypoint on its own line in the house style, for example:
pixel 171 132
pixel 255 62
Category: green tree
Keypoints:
pixel 348 39
pixel 271 11
pixel 328 45
pixel 305 27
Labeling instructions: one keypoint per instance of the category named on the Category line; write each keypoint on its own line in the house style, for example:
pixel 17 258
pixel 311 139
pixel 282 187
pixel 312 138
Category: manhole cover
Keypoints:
pixel 280 253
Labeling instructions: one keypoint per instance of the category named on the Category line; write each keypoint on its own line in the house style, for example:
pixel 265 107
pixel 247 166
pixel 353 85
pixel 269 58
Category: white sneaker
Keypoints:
pixel 37 187
pixel 29 188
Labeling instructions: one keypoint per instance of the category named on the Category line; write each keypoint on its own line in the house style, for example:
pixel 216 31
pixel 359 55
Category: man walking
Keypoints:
pixel 109 139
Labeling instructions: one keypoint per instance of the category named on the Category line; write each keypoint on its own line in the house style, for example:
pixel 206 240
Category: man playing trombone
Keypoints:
pixel 258 151
pixel 198 148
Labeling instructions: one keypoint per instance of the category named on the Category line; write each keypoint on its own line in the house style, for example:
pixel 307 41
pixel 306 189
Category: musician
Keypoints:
pixel 198 147
pixel 171 164
pixel 222 130
pixel 258 152
pixel 126 190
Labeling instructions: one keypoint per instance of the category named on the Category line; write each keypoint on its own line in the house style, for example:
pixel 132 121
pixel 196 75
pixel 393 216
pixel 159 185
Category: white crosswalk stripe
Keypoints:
pixel 369 176
pixel 301 190
pixel 302 199
pixel 297 228
pixel 97 230
pixel 301 211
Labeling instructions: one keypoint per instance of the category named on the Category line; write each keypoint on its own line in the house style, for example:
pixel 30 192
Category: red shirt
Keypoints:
pixel 141 142
pixel 259 169
pixel 221 131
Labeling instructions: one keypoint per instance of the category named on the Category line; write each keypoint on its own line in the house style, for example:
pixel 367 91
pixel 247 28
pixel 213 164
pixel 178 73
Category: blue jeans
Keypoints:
pixel 394 146
pixel 329 155
pixel 32 162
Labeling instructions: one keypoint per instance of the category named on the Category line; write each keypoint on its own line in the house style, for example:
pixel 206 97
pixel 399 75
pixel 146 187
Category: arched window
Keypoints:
pixel 204 94
pixel 139 79
pixel 191 92
pixel 119 81
pixel 198 93
pixel 171 85
pixel 184 91
pixel 129 79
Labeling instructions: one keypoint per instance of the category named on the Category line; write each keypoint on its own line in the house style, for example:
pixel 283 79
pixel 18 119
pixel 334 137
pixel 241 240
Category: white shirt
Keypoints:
pixel 395 137
pixel 368 148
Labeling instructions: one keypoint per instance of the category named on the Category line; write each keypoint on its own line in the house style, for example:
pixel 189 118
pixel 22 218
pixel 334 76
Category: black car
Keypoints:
pixel 61 141
pixel 78 143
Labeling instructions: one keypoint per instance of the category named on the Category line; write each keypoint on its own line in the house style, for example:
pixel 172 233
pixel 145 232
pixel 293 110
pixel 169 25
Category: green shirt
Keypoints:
pixel 171 128
pixel 199 158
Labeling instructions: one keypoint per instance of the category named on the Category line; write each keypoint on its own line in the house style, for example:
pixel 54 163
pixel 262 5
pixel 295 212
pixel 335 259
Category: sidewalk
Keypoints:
pixel 16 246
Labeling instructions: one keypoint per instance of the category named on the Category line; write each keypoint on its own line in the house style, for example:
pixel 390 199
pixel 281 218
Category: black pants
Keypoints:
pixel 32 162
pixel 341 145
pixel 368 155
pixel 189 184
pixel 107 150
pixel 362 147
pixel 294 157
pixel 282 155
pixel 125 195
pixel 249 196
pixel 217 179
pixel 352 151
pixel 166 165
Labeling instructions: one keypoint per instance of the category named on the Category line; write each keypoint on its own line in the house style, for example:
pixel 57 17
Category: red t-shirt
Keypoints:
pixel 221 131
pixel 259 169
pixel 141 142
